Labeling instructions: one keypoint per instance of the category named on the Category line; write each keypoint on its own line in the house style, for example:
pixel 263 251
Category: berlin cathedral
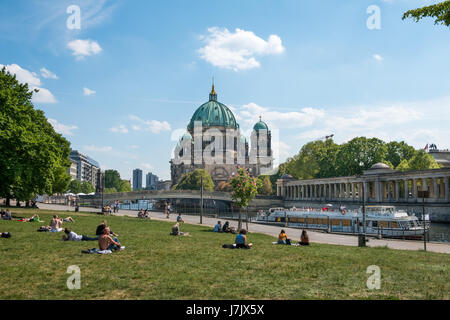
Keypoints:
pixel 213 141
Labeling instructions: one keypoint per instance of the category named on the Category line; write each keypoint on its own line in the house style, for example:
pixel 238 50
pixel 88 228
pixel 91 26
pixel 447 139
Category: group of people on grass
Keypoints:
pixel 143 214
pixel 225 228
pixel 107 240
pixel 283 238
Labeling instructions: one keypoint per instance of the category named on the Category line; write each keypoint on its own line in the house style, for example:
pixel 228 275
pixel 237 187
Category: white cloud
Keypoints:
pixel 154 126
pixel 250 113
pixel 94 148
pixel 62 128
pixel 146 166
pixel 33 81
pixel 377 57
pixel 47 74
pixel 88 92
pixel 82 48
pixel 134 146
pixel 121 129
pixel 237 50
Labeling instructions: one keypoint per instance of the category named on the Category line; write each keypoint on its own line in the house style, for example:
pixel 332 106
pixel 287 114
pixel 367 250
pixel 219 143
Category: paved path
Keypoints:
pixel 293 233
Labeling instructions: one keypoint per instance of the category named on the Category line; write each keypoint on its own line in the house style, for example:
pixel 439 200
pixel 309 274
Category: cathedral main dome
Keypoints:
pixel 214 114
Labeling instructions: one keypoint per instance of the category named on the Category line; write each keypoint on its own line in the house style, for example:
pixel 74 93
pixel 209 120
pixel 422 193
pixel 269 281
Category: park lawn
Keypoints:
pixel 155 265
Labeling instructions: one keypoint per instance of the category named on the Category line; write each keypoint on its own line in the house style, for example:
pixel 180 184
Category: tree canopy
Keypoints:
pixel 192 181
pixel 324 159
pixel 439 11
pixel 33 157
pixel 245 188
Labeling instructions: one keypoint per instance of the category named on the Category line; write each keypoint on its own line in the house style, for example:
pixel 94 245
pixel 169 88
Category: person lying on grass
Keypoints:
pixel 34 218
pixel 106 244
pixel 68 219
pixel 5 235
pixel 176 231
pixel 72 236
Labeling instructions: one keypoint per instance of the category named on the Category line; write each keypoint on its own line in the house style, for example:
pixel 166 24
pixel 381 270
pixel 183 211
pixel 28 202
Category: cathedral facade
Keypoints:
pixel 213 141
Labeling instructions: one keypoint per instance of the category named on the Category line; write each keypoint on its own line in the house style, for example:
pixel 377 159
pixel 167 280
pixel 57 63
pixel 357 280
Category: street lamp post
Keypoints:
pixel 103 190
pixel 362 237
pixel 201 200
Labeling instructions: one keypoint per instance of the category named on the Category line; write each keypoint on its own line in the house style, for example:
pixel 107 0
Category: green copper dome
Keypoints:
pixel 214 113
pixel 260 126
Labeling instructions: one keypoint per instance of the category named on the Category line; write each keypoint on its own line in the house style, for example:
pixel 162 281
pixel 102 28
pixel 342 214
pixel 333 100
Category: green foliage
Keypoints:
pixel 192 181
pixel 87 187
pixel 245 188
pixel 439 11
pixel 324 159
pixel 403 166
pixel 125 186
pixel 265 185
pixel 422 161
pixel 359 151
pixel 33 157
pixel 75 186
pixel 112 179
pixel 110 190
pixel 398 151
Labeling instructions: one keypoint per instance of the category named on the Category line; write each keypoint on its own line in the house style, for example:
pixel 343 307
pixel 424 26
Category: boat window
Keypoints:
pixel 375 224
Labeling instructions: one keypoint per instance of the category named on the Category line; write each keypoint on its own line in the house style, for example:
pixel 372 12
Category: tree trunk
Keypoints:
pixel 8 201
pixel 240 220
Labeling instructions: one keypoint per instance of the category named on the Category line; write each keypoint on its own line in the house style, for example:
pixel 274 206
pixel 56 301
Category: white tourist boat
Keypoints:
pixel 383 221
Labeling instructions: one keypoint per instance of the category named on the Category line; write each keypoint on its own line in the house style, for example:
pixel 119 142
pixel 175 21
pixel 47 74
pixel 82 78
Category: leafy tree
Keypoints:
pixel 403 166
pixel 125 186
pixel 422 161
pixel 110 190
pixel 75 186
pixel 112 179
pixel 359 151
pixel 192 181
pixel 398 151
pixel 33 157
pixel 61 180
pixel 265 185
pixel 245 188
pixel 87 187
pixel 439 11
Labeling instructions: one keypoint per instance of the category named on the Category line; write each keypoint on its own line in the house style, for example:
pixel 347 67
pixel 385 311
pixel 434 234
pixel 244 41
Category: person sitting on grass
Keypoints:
pixel 241 240
pixel 55 224
pixel 6 215
pixel 72 236
pixel 218 227
pixel 176 231
pixel 106 243
pixel 283 238
pixel 179 218
pixel 146 214
pixel 227 228
pixel 304 239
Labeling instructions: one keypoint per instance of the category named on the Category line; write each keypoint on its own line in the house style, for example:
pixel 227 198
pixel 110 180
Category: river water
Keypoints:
pixel 440 232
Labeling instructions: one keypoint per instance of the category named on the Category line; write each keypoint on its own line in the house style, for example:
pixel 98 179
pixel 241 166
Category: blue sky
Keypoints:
pixel 124 86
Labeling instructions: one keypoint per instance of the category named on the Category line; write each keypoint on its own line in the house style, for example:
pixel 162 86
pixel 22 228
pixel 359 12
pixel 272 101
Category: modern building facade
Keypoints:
pixel 87 169
pixel 137 179
pixel 151 181
pixel 214 142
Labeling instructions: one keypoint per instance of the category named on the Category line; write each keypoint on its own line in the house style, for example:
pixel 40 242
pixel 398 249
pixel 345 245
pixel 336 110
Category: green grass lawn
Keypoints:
pixel 155 265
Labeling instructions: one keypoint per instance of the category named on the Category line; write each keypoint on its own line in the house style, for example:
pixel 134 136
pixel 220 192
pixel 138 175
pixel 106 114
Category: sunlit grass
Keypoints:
pixel 155 265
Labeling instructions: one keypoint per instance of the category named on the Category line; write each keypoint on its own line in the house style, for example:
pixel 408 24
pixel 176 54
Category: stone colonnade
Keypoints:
pixel 378 188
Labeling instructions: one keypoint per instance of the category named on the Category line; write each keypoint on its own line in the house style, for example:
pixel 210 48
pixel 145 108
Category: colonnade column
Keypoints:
pixel 435 189
pixel 446 191
pixel 397 190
